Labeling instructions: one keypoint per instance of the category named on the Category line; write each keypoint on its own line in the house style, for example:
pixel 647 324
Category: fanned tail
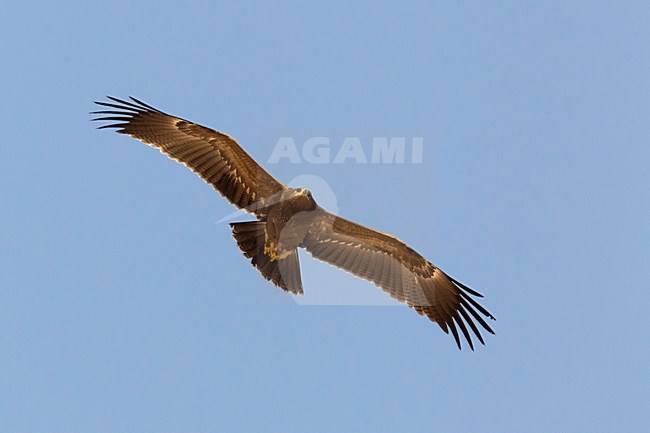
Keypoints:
pixel 284 273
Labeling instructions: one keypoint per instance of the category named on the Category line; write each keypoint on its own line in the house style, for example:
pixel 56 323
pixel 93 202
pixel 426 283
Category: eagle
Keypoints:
pixel 290 218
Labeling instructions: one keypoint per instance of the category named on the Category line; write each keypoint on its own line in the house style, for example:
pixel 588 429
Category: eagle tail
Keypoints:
pixel 284 272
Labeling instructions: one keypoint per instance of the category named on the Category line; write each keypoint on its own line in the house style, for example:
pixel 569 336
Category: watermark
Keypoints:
pixel 323 150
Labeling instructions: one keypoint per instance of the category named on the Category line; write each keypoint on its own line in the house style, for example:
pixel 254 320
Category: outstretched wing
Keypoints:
pixel 214 156
pixel 400 271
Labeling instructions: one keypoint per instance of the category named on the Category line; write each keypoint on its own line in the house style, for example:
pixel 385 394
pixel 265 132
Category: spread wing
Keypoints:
pixel 400 271
pixel 215 157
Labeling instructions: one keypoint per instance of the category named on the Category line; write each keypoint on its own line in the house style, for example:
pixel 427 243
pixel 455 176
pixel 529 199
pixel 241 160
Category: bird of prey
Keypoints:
pixel 290 218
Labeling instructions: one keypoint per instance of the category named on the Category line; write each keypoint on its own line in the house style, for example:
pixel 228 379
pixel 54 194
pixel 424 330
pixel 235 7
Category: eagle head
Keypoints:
pixel 304 197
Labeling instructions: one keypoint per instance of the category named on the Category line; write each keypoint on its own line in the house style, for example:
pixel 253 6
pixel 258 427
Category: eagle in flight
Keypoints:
pixel 290 218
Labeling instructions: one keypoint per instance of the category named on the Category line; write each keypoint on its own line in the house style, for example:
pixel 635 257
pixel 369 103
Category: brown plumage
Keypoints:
pixel 289 218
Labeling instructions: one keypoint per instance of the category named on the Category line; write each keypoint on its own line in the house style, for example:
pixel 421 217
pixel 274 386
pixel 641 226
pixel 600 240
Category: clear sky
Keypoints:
pixel 125 305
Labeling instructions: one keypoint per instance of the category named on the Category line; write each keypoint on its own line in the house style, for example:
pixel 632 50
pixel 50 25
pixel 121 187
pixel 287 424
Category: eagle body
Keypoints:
pixel 289 218
pixel 287 222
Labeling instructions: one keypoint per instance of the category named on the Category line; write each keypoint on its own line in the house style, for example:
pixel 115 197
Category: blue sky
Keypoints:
pixel 125 306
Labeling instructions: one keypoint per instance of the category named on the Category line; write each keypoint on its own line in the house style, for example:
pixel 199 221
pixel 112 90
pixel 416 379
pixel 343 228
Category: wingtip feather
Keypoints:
pixel 454 331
